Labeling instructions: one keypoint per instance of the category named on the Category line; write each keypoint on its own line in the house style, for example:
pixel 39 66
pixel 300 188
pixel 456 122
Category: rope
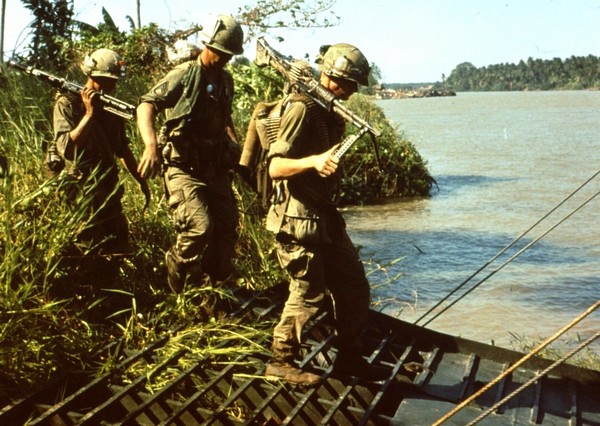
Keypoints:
pixel 511 258
pixel 506 248
pixel 534 379
pixel 517 364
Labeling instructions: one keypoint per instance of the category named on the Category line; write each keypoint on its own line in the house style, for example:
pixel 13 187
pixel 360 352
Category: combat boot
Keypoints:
pixel 176 273
pixel 291 374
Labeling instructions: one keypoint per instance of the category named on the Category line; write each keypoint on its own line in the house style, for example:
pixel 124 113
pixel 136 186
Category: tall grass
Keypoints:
pixel 57 305
pixel 39 334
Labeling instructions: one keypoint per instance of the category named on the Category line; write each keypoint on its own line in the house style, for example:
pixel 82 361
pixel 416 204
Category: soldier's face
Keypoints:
pixel 104 84
pixel 340 87
pixel 215 58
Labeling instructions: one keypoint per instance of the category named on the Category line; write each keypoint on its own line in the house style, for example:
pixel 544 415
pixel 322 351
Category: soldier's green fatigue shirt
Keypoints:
pixel 312 242
pixel 104 141
pixel 197 179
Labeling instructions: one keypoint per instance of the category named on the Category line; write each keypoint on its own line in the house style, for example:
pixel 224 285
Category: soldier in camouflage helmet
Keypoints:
pixel 199 149
pixel 344 61
pixel 312 243
pixel 89 139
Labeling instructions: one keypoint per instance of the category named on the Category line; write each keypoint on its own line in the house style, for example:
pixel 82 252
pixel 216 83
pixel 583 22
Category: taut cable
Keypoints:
pixel 517 364
pixel 505 248
pixel 513 257
pixel 534 379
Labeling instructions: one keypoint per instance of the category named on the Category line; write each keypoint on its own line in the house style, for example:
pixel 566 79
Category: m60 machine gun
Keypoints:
pixel 299 75
pixel 110 104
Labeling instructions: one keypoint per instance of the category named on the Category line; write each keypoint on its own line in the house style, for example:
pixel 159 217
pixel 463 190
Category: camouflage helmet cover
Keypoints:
pixel 103 63
pixel 344 61
pixel 224 34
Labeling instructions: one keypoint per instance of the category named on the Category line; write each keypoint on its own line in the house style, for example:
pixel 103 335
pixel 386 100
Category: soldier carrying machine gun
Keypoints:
pixel 311 240
pixel 299 75
pixel 53 163
pixel 265 121
pixel 110 104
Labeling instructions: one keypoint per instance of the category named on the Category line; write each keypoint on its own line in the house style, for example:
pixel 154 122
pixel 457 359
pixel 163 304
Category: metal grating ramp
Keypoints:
pixel 429 373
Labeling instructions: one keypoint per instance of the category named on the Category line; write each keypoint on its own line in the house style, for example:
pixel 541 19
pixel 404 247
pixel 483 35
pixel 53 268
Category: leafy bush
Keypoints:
pixel 401 171
pixel 57 307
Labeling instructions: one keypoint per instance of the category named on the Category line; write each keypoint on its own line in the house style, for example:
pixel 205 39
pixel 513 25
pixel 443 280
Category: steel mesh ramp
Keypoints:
pixel 429 373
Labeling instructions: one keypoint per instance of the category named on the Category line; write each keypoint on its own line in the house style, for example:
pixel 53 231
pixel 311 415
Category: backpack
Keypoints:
pixel 262 132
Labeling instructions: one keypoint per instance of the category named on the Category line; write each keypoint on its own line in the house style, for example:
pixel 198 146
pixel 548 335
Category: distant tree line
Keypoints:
pixel 573 73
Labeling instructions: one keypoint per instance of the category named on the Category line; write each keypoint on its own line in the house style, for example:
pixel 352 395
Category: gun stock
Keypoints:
pixel 266 55
pixel 110 104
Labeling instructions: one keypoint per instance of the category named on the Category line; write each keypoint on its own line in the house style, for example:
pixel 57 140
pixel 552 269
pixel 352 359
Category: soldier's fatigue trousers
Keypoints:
pixel 108 229
pixel 335 266
pixel 205 217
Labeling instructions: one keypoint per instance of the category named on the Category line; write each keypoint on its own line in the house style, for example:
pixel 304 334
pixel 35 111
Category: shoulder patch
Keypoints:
pixel 161 89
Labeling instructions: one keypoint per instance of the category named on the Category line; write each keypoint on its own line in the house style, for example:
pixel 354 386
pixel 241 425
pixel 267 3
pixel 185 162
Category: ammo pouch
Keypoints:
pixel 201 157
pixel 293 218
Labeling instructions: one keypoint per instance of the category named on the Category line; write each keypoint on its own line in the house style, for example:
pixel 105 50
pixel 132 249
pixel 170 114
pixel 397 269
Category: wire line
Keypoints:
pixel 517 364
pixel 502 252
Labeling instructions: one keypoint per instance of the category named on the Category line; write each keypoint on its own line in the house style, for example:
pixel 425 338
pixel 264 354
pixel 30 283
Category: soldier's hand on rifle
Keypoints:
pixel 91 99
pixel 326 164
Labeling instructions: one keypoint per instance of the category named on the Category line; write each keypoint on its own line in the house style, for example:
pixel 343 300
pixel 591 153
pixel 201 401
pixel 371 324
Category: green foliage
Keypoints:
pixel 51 25
pixel 56 305
pixel 253 84
pixel 574 73
pixel 143 50
pixel 402 173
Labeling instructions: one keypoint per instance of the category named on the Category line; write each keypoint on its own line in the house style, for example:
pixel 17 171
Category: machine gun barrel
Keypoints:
pixel 110 104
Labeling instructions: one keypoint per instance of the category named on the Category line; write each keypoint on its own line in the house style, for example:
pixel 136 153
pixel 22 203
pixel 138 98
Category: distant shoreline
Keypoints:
pixel 421 92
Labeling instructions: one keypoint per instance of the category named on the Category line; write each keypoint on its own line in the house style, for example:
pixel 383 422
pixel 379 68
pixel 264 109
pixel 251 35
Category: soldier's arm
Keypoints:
pixel 151 161
pixel 284 161
pixel 79 132
pixel 130 164
pixel 283 168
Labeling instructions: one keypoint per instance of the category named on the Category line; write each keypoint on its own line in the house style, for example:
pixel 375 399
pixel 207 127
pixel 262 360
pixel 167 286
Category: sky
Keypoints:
pixel 410 41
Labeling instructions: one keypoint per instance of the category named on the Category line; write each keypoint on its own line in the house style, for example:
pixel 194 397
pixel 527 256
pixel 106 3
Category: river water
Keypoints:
pixel 502 162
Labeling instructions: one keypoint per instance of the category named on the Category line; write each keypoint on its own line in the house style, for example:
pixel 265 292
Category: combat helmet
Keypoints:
pixel 225 35
pixel 103 63
pixel 344 61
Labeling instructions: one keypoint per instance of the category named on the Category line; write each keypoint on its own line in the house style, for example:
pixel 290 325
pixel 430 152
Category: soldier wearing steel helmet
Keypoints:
pixel 89 139
pixel 312 243
pixel 199 148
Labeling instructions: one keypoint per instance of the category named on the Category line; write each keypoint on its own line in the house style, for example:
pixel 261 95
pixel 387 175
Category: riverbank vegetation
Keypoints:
pixel 59 306
pixel 573 73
